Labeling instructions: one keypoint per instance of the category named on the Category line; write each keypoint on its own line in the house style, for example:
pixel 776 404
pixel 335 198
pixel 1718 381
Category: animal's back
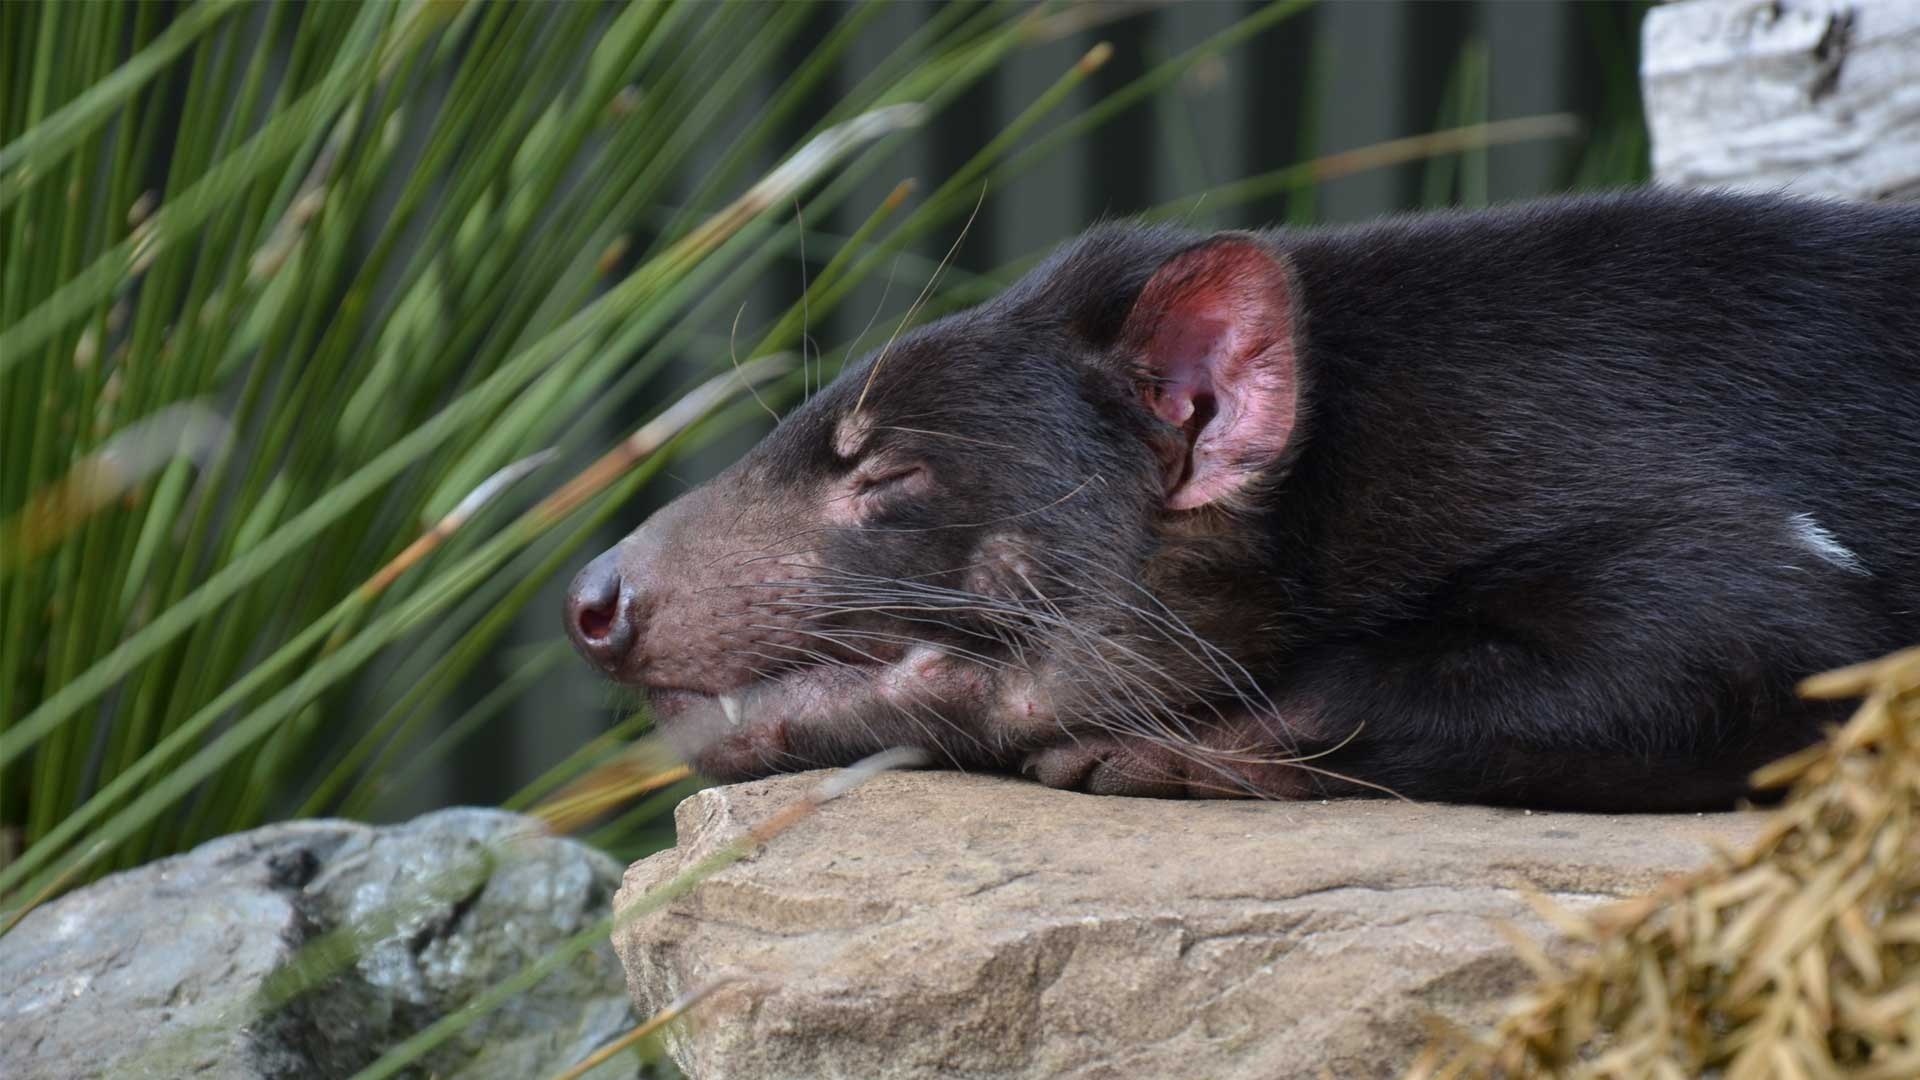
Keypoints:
pixel 1637 356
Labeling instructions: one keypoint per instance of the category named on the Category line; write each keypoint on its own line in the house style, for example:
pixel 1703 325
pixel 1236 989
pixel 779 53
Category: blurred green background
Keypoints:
pixel 283 284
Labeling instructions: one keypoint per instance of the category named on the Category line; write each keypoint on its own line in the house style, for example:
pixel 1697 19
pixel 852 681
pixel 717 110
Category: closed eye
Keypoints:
pixel 902 477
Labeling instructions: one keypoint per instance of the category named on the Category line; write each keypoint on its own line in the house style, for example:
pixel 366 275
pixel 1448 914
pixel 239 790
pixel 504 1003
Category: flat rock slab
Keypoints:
pixel 940 924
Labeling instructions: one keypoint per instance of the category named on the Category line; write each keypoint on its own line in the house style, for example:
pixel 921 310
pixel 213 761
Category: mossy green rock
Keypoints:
pixel 160 971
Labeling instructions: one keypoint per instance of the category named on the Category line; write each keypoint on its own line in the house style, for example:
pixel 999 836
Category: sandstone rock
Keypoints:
pixel 940 924
pixel 157 971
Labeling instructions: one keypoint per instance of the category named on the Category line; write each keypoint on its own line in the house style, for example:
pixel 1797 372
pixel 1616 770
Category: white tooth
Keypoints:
pixel 731 706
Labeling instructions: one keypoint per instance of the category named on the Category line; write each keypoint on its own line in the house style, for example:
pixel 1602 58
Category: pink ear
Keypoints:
pixel 1212 333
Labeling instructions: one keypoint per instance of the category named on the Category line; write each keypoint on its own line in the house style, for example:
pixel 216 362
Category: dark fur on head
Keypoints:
pixel 1550 505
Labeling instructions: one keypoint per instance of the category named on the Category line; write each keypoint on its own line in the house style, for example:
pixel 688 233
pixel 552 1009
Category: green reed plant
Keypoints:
pixel 296 301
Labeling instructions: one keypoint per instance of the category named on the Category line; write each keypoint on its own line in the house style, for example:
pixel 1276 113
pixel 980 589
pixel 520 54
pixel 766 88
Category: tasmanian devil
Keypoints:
pixel 1547 505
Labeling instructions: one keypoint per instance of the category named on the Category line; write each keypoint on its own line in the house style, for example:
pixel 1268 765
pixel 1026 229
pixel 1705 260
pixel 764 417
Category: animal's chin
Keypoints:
pixel 771 725
pixel 834 714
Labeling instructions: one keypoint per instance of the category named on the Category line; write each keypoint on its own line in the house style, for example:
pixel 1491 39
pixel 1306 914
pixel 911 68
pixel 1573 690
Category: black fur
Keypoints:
pixel 1542 509
pixel 1545 532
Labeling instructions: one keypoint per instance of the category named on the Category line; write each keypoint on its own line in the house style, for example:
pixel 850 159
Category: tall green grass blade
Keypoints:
pixel 34 152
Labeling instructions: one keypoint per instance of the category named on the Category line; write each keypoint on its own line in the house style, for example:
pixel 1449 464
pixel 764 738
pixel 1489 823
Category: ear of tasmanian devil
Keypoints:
pixel 1212 338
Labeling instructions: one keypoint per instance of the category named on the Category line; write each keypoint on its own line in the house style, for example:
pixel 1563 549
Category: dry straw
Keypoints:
pixel 1799 957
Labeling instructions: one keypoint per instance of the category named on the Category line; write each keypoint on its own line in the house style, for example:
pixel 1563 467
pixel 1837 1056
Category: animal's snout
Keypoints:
pixel 679 604
pixel 602 613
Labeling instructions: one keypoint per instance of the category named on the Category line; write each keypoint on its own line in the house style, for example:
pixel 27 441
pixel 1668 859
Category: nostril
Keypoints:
pixel 595 621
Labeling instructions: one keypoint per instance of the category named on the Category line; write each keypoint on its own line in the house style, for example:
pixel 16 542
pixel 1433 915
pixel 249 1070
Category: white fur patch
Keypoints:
pixel 1815 538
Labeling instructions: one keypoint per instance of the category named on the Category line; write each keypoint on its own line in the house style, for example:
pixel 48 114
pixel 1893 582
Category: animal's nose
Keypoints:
pixel 600 614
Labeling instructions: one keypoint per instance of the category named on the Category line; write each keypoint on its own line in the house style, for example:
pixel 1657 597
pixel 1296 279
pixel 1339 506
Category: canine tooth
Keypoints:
pixel 731 706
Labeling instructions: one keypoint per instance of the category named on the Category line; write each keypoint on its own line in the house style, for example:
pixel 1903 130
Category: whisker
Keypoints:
pixel 933 740
pixel 734 353
pixel 914 308
pixel 1078 488
pixel 886 288
pixel 1137 670
pixel 806 315
pixel 948 435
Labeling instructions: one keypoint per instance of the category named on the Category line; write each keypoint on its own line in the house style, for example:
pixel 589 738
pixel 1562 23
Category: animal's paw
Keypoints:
pixel 1101 765
pixel 1112 765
